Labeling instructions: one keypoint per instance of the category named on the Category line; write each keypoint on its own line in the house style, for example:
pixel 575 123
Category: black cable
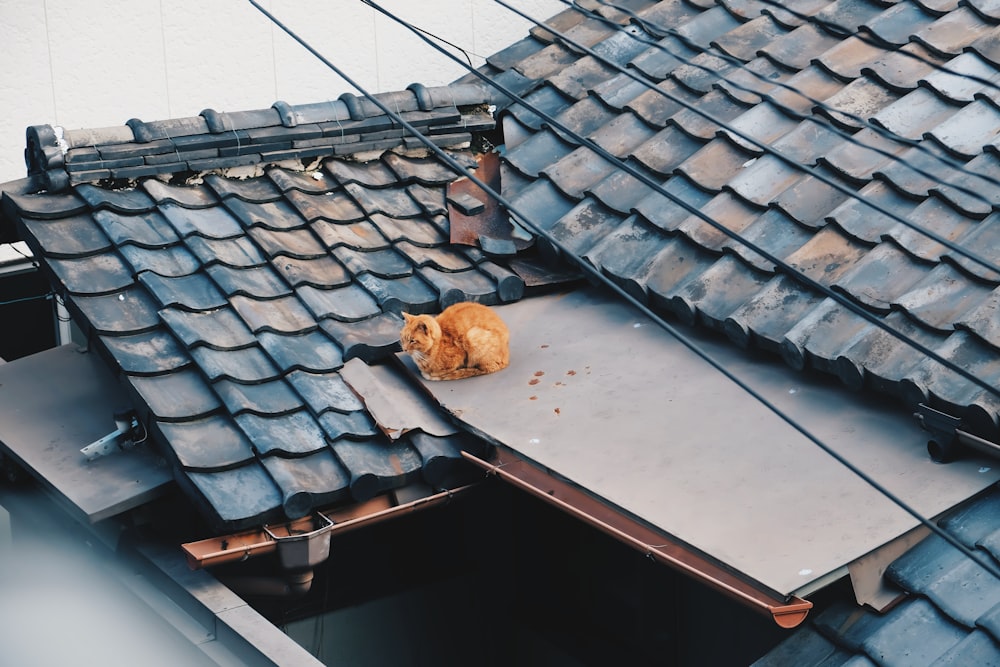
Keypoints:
pixel 764 147
pixel 684 340
pixel 656 186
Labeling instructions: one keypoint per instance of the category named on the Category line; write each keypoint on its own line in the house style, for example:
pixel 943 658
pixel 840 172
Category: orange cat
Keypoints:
pixel 466 339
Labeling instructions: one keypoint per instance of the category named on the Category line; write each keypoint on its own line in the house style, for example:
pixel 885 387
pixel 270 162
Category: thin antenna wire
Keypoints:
pixel 687 342
pixel 693 210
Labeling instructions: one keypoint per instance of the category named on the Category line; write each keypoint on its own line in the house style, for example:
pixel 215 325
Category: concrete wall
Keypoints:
pixel 101 62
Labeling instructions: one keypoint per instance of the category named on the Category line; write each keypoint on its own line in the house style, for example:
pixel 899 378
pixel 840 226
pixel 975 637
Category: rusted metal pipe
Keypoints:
pixel 787 613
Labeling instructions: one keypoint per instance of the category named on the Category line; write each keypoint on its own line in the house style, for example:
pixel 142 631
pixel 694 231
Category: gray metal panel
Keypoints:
pixel 597 393
pixel 55 402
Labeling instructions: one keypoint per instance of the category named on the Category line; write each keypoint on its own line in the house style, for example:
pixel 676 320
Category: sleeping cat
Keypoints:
pixel 466 339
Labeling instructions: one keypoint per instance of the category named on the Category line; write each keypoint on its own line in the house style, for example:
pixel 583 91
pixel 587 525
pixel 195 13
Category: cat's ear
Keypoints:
pixel 407 317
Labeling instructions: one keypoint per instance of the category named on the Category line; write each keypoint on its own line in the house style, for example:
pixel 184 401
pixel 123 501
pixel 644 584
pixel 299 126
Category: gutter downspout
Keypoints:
pixel 658 546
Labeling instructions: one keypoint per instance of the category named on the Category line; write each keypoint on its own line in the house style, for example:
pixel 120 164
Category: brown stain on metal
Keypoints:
pixel 539 374
pixel 558 411
pixel 570 372
pixel 532 398
pixel 533 381
pixel 544 346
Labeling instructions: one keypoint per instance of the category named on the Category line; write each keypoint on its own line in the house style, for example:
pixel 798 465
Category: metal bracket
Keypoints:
pixel 122 438
pixel 943 445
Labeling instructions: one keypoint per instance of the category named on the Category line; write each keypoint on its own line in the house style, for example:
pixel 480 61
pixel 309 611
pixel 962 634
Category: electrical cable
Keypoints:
pixel 594 273
pixel 693 210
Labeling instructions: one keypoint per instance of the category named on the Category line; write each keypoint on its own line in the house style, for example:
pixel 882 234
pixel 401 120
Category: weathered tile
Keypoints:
pixel 313 182
pixel 811 199
pixel 933 216
pixel 456 286
pixel 627 253
pixel 311 351
pixel 352 425
pixel 291 434
pixel 410 294
pixel 188 196
pixel 312 481
pixel 916 172
pixel 698 299
pixel 849 57
pixel 543 101
pixel 207 445
pixel 667 149
pixel 172 262
pixel 45 206
pixel 250 189
pixel 246 365
pixel 858 158
pixel 180 396
pixel 192 292
pixel 261 282
pixel 577 171
pixel 712 166
pixel 893 27
pixel 270 398
pixel 982 241
pixel 827 256
pixel 68 237
pixel 215 222
pixel 240 252
pixel 129 200
pixel 879 278
pixel 273 215
pixel 370 339
pixel 154 352
pixel 974 189
pixel 723 213
pixel 388 201
pixel 221 328
pixel 94 274
pixel 867 217
pixel 325 391
pixel 537 152
pixel 300 243
pixel 852 106
pixel 335 206
pixel 950 34
pixel 705 118
pixel 961 78
pixel 903 68
pixel 943 297
pixel 129 310
pixel 377 469
pixel 772 232
pixel 671 205
pixel 881 359
pixel 969 130
pixel 322 272
pixel 658 105
pixel 796 49
pixel 770 314
pixel 238 498
pixel 347 304
pixel 818 339
pixel 359 235
pixel 754 80
pixel 281 315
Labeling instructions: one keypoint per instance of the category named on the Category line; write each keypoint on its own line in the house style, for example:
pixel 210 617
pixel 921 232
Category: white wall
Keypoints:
pixel 99 63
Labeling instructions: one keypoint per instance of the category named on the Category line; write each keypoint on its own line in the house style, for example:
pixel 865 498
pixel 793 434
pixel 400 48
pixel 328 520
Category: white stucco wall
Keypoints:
pixel 98 63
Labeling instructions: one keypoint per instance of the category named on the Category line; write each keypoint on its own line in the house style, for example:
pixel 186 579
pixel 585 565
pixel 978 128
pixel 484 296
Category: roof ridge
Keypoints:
pixel 216 140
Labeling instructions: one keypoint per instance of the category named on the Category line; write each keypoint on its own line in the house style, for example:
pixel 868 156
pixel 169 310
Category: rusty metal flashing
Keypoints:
pixel 259 542
pixel 506 465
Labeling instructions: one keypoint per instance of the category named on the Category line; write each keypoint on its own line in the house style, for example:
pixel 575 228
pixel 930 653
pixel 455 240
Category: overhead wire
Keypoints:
pixel 453 164
pixel 693 210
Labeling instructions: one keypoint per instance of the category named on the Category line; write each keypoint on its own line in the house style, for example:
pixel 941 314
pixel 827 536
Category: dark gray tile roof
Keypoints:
pixel 229 303
pixel 947 615
pixel 777 125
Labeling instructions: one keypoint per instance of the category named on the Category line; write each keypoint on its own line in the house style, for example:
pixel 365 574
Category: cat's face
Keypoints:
pixel 417 334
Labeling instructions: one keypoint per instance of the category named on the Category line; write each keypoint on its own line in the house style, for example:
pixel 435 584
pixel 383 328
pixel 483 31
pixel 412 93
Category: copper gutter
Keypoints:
pixel 257 542
pixel 787 613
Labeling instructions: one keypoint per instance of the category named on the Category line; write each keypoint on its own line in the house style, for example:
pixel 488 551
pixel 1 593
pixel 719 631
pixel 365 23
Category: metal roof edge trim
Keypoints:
pixel 786 613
